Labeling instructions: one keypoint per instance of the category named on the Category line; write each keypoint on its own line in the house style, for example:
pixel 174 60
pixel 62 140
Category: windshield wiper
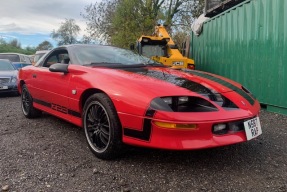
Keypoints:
pixel 114 65
pixel 155 64
pixel 102 63
pixel 151 62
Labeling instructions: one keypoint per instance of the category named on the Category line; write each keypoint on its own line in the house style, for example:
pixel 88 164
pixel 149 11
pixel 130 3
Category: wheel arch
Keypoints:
pixel 22 82
pixel 86 94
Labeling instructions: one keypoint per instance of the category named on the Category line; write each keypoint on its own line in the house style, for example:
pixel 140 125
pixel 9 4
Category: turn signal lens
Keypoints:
pixel 174 125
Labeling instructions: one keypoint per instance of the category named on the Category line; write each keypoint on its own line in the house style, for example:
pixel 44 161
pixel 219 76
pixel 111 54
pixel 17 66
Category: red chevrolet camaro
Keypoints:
pixel 121 98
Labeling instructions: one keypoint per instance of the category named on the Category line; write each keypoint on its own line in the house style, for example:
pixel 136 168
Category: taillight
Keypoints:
pixel 191 66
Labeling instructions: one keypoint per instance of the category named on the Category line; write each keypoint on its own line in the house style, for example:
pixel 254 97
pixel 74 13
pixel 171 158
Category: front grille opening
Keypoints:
pixel 4 80
pixel 228 128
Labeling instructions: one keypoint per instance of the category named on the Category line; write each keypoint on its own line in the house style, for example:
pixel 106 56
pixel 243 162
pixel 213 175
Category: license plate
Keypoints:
pixel 3 87
pixel 252 128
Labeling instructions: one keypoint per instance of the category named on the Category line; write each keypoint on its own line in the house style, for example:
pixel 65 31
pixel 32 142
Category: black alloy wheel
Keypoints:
pixel 27 104
pixel 102 127
pixel 98 126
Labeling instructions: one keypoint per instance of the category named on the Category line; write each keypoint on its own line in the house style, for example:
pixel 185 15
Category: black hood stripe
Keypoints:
pixel 224 83
pixel 188 84
pixel 176 80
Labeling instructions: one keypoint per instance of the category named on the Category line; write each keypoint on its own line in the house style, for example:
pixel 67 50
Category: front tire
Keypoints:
pixel 102 127
pixel 27 104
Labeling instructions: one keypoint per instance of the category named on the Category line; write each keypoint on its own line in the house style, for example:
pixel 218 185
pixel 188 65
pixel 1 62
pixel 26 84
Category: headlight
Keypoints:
pixel 182 104
pixel 167 100
pixel 13 79
pixel 145 39
pixel 182 99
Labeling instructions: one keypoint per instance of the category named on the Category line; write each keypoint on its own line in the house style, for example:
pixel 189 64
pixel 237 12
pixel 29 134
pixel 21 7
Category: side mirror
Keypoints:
pixel 59 67
pixel 132 46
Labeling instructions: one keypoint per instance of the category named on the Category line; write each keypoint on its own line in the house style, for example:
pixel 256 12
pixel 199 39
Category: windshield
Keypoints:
pixel 10 57
pixel 6 66
pixel 106 54
pixel 152 50
pixel 38 56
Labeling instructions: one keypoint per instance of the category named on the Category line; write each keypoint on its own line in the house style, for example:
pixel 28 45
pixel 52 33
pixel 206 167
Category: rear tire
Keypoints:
pixel 102 127
pixel 27 104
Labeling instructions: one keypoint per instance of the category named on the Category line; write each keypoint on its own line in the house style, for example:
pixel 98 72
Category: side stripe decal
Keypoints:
pixel 145 133
pixel 56 107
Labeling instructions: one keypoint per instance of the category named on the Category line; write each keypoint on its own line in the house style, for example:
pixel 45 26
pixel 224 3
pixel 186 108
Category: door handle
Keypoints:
pixel 34 75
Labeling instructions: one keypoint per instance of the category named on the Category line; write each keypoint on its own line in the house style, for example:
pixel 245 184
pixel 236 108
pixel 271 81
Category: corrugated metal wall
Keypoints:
pixel 248 44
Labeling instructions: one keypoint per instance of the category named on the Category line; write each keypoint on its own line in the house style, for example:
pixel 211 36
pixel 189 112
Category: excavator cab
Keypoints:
pixel 152 47
pixel 161 48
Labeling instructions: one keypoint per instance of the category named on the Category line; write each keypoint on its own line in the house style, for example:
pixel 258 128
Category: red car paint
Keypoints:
pixel 63 95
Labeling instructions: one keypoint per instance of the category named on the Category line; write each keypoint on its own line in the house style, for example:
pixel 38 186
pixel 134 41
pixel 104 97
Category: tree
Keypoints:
pixel 15 47
pixel 2 41
pixel 99 17
pixel 45 45
pixel 67 33
pixel 121 22
pixel 130 21
pixel 180 14
pixel 197 8
pixel 15 43
pixel 30 50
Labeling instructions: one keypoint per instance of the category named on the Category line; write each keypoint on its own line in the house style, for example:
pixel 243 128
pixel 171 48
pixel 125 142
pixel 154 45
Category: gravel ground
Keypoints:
pixel 48 154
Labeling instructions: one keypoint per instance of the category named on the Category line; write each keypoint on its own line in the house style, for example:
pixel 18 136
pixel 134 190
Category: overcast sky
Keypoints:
pixel 31 20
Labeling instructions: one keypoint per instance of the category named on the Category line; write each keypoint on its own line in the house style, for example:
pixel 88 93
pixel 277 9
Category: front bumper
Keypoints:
pixel 136 130
pixel 8 88
pixel 177 139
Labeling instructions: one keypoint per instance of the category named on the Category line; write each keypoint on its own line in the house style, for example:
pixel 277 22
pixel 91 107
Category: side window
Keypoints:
pixel 51 60
pixel 58 56
pixel 64 58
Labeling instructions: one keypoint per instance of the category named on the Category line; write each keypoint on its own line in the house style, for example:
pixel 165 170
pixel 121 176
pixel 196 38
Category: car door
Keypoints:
pixel 52 87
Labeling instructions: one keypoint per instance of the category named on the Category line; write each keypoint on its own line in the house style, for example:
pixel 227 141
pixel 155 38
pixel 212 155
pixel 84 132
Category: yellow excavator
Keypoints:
pixel 161 48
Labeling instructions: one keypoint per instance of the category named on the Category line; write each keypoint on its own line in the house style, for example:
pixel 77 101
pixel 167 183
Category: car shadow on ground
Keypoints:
pixel 4 95
pixel 243 153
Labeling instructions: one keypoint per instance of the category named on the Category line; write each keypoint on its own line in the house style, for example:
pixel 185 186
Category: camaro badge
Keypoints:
pixel 74 92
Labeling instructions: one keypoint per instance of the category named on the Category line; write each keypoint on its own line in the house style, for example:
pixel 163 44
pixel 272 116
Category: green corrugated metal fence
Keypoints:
pixel 248 44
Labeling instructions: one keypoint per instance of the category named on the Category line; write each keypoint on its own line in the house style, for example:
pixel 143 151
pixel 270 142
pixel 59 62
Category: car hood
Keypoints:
pixel 154 82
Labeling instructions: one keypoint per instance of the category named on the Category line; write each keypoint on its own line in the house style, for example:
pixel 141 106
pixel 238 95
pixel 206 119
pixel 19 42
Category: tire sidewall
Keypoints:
pixel 114 144
pixel 28 112
pixel 86 131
